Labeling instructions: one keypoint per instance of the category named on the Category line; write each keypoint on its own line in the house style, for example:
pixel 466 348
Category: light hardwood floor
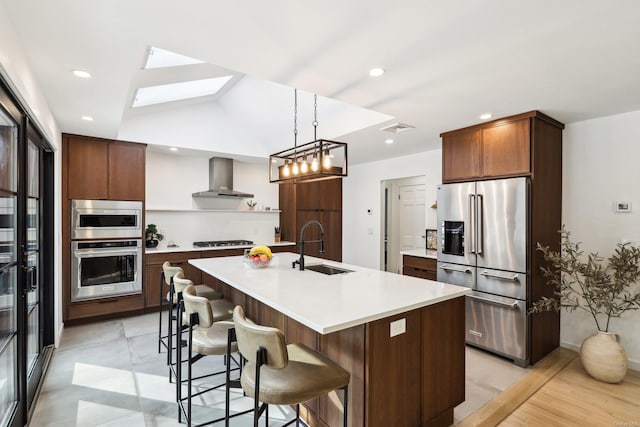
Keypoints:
pixel 558 392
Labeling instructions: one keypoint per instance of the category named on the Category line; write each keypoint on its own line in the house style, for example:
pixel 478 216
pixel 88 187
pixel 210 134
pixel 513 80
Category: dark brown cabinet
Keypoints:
pixel 528 144
pixel 501 148
pixel 99 169
pixel 320 201
pixel 153 271
pixel 104 169
pixel 424 268
pixel 126 171
pixel 87 167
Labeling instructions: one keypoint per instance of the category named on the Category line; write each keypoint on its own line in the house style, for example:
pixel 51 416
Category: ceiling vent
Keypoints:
pixel 397 128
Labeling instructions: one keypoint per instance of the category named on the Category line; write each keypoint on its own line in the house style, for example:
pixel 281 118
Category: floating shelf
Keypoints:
pixel 211 210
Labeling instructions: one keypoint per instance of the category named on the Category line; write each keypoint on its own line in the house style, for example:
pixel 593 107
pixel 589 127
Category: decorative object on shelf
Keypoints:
pixel 151 236
pixel 251 204
pixel 604 291
pixel 276 237
pixel 432 239
pixel 434 205
pixel 258 256
pixel 313 161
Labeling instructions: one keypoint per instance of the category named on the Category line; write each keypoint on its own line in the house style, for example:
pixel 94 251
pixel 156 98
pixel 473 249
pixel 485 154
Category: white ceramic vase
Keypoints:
pixel 604 358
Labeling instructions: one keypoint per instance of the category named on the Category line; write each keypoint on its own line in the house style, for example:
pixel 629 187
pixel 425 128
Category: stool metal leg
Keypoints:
pixel 160 314
pixel 346 405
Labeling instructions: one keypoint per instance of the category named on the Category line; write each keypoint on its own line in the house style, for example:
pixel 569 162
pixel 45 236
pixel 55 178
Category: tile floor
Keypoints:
pixel 110 374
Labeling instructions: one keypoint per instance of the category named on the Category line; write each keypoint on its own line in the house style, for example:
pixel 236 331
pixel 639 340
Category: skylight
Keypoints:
pixel 177 91
pixel 159 58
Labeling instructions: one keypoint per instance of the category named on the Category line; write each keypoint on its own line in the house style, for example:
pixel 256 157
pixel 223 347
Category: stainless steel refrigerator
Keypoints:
pixel 482 244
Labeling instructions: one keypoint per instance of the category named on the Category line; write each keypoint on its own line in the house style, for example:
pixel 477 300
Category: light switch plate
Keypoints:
pixel 398 327
pixel 622 206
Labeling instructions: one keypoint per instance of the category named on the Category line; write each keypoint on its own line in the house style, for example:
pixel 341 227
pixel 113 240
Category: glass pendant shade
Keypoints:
pixel 328 160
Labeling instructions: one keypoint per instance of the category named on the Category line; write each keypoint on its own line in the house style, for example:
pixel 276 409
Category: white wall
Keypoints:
pixel 16 71
pixel 600 166
pixel 171 179
pixel 361 190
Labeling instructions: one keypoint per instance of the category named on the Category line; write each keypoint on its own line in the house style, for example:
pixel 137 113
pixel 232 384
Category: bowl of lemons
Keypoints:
pixel 258 256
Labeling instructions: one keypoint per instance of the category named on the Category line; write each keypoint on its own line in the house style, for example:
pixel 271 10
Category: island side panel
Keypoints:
pixel 347 349
pixel 296 332
pixel 443 361
pixel 394 372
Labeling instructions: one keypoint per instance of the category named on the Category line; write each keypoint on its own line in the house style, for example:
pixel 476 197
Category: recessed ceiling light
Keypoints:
pixel 173 148
pixel 486 116
pixel 87 118
pixel 81 73
pixel 376 72
pixel 159 58
pixel 389 141
pixel 177 91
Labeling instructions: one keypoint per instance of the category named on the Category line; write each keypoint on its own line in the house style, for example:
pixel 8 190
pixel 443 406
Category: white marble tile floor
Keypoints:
pixel 110 374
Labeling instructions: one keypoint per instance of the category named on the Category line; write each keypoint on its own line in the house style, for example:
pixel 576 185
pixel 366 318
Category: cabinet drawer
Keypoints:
pixel 419 262
pixel 105 306
pixel 416 272
pixel 172 257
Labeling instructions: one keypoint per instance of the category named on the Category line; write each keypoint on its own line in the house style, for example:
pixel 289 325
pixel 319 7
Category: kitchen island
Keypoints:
pixel 402 338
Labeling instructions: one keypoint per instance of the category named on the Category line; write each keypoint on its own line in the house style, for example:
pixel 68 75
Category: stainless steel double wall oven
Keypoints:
pixel 106 248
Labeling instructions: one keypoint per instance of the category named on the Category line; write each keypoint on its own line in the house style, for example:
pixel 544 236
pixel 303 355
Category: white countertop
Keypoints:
pixel 164 249
pixel 423 253
pixel 326 303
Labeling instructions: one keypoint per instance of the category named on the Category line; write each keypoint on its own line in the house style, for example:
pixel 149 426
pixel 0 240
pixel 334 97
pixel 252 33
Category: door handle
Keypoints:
pixel 513 278
pixel 459 270
pixel 479 223
pixel 472 223
pixel 513 305
pixel 31 282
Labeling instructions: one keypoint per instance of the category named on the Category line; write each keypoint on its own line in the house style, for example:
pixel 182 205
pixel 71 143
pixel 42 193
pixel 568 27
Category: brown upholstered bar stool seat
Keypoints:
pixel 207 336
pixel 282 374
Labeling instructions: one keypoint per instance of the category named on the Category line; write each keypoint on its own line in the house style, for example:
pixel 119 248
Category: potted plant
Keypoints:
pixel 251 204
pixel 605 291
pixel 151 236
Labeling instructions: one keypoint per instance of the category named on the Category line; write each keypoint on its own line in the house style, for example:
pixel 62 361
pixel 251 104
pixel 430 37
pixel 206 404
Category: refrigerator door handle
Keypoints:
pixel 513 305
pixel 472 223
pixel 513 278
pixel 479 224
pixel 460 270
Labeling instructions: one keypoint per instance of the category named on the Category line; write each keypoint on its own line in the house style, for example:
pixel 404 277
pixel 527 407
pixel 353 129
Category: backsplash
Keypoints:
pixel 185 227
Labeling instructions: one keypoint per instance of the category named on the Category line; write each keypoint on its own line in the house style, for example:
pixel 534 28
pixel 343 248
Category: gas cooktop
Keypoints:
pixel 218 243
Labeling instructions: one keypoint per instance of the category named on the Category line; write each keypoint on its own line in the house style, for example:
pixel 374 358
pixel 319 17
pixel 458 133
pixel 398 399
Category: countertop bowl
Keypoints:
pixel 257 261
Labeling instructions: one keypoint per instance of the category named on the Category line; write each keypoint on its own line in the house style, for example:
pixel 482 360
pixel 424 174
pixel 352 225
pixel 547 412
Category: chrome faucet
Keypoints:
pixel 300 261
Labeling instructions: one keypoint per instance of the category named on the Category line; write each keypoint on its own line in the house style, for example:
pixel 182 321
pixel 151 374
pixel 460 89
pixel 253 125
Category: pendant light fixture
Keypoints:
pixel 317 160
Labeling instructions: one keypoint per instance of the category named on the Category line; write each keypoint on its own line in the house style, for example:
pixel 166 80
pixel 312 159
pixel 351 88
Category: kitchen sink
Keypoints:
pixel 327 269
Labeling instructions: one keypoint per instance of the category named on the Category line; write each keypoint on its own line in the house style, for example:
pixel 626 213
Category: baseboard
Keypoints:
pixel 633 364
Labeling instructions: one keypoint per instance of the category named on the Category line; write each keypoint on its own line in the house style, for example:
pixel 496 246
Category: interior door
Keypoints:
pixel 412 229
pixel 502 206
pixel 10 408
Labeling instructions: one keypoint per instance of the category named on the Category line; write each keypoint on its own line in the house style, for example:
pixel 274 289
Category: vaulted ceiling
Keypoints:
pixel 446 64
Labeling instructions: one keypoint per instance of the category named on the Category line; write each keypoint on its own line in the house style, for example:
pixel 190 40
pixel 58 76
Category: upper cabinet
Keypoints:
pixel 319 195
pixel 500 148
pixel 103 169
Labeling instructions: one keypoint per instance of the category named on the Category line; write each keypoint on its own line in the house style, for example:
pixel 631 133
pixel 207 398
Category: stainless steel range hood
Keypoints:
pixel 221 180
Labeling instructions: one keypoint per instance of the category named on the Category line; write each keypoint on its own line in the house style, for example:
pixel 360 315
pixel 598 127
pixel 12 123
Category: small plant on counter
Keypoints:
pixel 251 204
pixel 152 236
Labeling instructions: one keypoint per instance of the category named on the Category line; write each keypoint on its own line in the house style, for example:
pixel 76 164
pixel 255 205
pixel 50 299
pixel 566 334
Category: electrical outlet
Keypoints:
pixel 370 231
pixel 398 327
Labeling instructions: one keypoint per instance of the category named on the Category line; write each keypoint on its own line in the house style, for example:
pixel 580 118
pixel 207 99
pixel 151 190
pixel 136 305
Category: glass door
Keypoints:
pixel 9 264
pixel 31 263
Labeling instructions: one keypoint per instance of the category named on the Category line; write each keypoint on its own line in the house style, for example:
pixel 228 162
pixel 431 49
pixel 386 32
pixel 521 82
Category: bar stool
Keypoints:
pixel 207 336
pixel 166 278
pixel 282 374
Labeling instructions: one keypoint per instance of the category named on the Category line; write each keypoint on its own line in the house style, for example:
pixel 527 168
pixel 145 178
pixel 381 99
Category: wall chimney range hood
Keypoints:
pixel 221 180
